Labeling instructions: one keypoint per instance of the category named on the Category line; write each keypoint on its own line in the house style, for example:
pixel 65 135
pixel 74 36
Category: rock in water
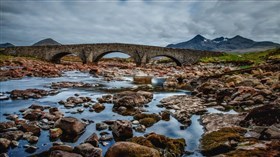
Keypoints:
pixel 93 140
pixel 55 133
pixel 122 130
pixel 129 103
pixel 128 149
pixel 131 99
pixel 60 153
pixel 87 150
pixel 71 125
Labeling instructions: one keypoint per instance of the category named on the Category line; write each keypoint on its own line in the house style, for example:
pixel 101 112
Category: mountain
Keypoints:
pixel 48 41
pixel 223 44
pixel 5 45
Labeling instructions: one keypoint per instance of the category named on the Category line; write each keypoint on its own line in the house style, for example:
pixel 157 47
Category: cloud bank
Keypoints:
pixel 139 22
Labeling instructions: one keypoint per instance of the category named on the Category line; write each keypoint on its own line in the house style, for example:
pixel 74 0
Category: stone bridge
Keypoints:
pixel 92 53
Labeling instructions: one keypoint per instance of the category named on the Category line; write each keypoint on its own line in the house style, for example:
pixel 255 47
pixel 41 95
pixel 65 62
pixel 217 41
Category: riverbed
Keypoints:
pixel 171 128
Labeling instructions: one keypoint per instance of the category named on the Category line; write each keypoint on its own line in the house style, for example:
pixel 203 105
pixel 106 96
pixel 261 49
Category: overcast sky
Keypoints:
pixel 140 22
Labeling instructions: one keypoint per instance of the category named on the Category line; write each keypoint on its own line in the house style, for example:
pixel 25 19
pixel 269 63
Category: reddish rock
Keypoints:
pixel 55 133
pixel 71 125
pixel 122 130
pixel 31 127
pixel 93 140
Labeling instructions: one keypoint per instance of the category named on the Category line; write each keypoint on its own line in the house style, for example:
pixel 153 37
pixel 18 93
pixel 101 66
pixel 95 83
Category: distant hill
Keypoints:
pixel 45 42
pixel 5 45
pixel 223 44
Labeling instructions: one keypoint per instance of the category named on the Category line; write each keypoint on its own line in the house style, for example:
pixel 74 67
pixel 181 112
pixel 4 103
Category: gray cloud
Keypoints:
pixel 140 22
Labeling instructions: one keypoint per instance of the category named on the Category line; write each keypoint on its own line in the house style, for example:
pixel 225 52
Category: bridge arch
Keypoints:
pixel 57 57
pixel 178 63
pixel 99 56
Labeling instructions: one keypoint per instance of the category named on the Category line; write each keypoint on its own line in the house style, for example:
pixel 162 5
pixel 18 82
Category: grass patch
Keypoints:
pixel 245 66
pixel 253 57
pixel 4 57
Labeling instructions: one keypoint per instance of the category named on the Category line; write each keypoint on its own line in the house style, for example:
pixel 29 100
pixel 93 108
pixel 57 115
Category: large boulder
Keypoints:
pixel 87 150
pixel 71 125
pixel 262 116
pixel 122 130
pixel 165 145
pixel 129 149
pixel 221 141
pixel 60 153
pixel 4 144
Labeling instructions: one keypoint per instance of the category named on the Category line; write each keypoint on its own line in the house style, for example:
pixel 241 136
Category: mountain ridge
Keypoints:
pixel 47 41
pixel 224 44
pixel 5 45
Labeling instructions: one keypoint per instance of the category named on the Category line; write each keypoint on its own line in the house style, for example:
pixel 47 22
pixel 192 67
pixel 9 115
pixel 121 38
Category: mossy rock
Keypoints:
pixel 246 153
pixel 145 115
pixel 162 143
pixel 218 142
pixel 273 149
pixel 148 122
pixel 147 119
pixel 130 149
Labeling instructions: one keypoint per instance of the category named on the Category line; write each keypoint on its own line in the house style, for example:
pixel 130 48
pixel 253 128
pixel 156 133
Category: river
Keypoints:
pixel 170 128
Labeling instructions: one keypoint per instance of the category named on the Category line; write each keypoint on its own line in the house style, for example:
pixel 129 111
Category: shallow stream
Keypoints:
pixel 170 128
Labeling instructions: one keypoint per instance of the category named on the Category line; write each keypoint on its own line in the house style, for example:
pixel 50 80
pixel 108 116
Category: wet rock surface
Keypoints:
pixel 215 121
pixel 185 106
pixel 122 130
pixel 129 103
pixel 75 101
pixel 58 85
pixel 31 93
pixel 71 125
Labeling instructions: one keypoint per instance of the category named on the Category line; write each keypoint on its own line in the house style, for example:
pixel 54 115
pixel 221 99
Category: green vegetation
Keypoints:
pixel 5 57
pixel 70 58
pixel 216 142
pixel 14 58
pixel 247 58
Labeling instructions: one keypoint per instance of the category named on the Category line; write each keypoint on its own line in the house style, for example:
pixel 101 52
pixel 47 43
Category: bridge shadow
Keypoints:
pixel 64 57
pixel 115 56
pixel 164 59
